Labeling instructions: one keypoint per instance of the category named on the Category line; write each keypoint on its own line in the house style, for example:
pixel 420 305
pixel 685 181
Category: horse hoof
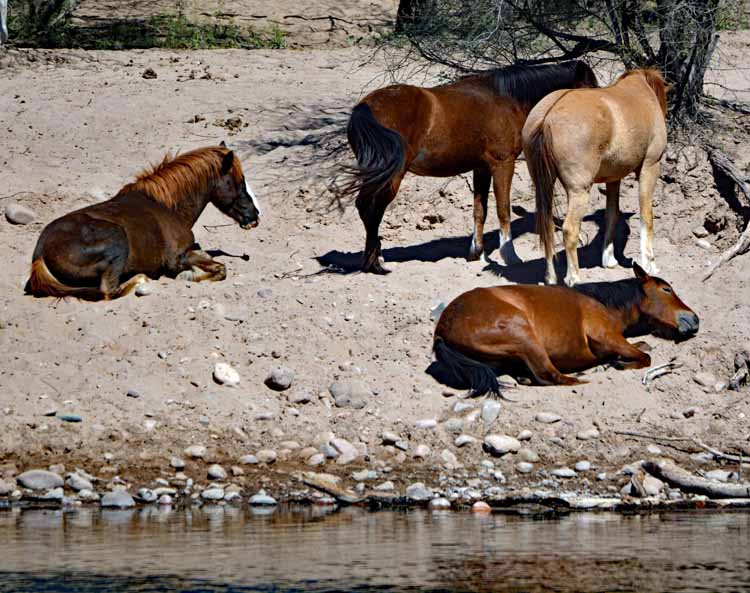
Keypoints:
pixel 474 255
pixel 571 281
pixel 609 260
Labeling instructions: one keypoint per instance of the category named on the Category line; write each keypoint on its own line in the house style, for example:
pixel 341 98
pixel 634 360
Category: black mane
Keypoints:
pixel 621 294
pixel 529 84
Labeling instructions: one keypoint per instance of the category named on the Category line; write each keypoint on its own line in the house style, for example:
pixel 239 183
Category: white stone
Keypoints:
pixel 463 440
pixel 216 472
pixel 499 445
pixel 563 472
pixel 224 374
pixel 524 467
pixel 547 417
pixel 196 451
pixel 583 466
pixel 490 411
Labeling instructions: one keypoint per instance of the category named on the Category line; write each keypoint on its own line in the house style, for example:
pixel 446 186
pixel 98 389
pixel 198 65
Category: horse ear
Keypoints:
pixel 223 144
pixel 640 273
pixel 227 163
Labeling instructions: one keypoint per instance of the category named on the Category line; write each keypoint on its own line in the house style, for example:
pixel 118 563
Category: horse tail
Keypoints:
pixel 480 377
pixel 380 152
pixel 543 170
pixel 43 283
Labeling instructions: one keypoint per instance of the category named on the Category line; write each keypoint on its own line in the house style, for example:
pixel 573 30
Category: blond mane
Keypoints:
pixel 655 81
pixel 176 178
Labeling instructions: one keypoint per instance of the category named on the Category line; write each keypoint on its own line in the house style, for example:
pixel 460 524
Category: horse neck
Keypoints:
pixel 628 317
pixel 191 206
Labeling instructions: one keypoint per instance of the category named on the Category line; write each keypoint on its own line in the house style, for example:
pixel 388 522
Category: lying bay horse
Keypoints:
pixel 551 330
pixel 593 136
pixel 473 124
pixel 103 251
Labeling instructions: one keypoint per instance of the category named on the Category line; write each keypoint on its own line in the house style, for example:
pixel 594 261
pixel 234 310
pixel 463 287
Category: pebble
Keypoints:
pixel 449 458
pixel 216 472
pixel 583 466
pixel 165 500
pixel 440 504
pixel 69 417
pixel 704 244
pixel 453 425
pixel 133 393
pixel 600 477
pixel 480 507
pixel 6 488
pixel 144 289
pixel 147 495
pixel 266 456
pixel 654 450
pixel 280 379
pixel 55 494
pixel 385 487
pixel 249 460
pixel 690 412
pixel 402 445
pixel 526 454
pixel 525 435
pixel 177 463
pixel 524 467
pixel 317 459
pixel 700 232
pixel 347 451
pixel 652 486
pixel 299 397
pixel 119 499
pixel 262 499
pixel 350 394
pixel 563 472
pixel 463 440
pixel 421 452
pixel 18 214
pixel 705 379
pixel 224 374
pixel 417 491
pixel 149 425
pixel 88 496
pixel 264 293
pixel 289 445
pixel 196 451
pixel 461 406
pixel 50 412
pixel 499 445
pixel 490 411
pixel 719 475
pixel 204 420
pixel 213 494
pixel 437 311
pixel 426 423
pixel 389 438
pixel 547 417
pixel 39 479
pixel 78 483
pixel 588 434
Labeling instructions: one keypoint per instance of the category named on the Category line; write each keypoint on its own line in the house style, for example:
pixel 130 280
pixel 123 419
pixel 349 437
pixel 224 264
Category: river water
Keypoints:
pixel 224 549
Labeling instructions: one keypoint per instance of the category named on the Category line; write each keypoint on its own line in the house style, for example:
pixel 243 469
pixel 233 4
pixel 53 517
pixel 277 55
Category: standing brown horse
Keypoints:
pixel 473 124
pixel 593 136
pixel 552 330
pixel 103 251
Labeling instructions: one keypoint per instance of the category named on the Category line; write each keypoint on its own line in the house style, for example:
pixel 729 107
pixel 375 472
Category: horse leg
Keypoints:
pixel 626 355
pixel 197 266
pixel 371 210
pixel 578 202
pixel 646 184
pixel 482 180
pixel 502 176
pixel 545 372
pixel 613 214
pixel 110 285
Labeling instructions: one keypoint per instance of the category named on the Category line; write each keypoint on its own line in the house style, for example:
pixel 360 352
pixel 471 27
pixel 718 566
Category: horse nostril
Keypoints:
pixel 688 323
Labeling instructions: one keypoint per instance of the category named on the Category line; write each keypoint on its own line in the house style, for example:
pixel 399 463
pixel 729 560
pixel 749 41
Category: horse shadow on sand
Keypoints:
pixel 528 272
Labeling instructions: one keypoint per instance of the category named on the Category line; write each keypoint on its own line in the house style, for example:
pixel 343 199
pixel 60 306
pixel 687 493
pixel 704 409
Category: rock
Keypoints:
pixel 18 214
pixel 600 477
pixel 705 379
pixel 690 412
pixel 563 472
pixel 216 472
pixel 700 232
pixel 280 379
pixel 249 460
pixel 418 492
pixel 177 463
pixel 526 454
pixel 720 475
pixel 299 397
pixel 462 406
pixel 56 494
pixel 133 393
pixel 439 504
pixel 654 450
pixel 144 289
pixel 453 425
pixel 317 459
pixel 480 507
pixel 39 479
pixel 403 445
pixel 232 496
pixel 49 412
pixel 224 374
pixel 196 451
pixel 499 445
pixel 347 451
pixel 213 494
pixel 88 496
pixel 389 438
pixel 437 311
pixel 6 488
pixel 524 467
pixel 350 394
pixel 426 423
pixel 289 445
pixel 652 486
pixel 149 74
pixel 463 440
pixel 262 499
pixel 704 244
pixel 547 417
pixel 363 475
pixel 69 417
pixel 119 499
pixel 385 487
pixel 583 466
pixel 525 435
pixel 421 452
pixel 449 459
pixel 588 434
pixel 78 483
pixel 266 456
pixel 165 500
pixel 490 411
pixel 147 495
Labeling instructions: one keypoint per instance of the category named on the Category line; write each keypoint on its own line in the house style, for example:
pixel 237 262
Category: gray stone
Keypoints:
pixel 266 456
pixel 705 379
pixel 588 434
pixel 6 487
pixel 177 463
pixel 216 472
pixel 69 417
pixel 88 496
pixel 316 459
pixel 449 459
pixel 204 420
pixel 462 406
pixel 421 452
pixel 524 467
pixel 363 475
pixel 403 445
pixel 133 393
pixel 453 425
pixel 499 445
pixel 418 492
pixel 350 394
pixel 437 311
pixel 262 499
pixel 652 486
pixel 56 494
pixel 526 454
pixel 18 214
pixel 39 479
pixel 249 460
pixel 720 475
pixel 426 423
pixel 264 293
pixel 463 440
pixel 563 472
pixel 77 483
pixel 299 397
pixel 583 466
pixel 385 487
pixel 165 500
pixel 119 499
pixel 440 504
pixel 525 435
pixel 490 411
pixel 147 495
pixel 144 289
pixel 547 417
pixel 280 379
pixel 654 450
pixel 196 451
pixel 213 494
pixel 347 451
pixel 389 438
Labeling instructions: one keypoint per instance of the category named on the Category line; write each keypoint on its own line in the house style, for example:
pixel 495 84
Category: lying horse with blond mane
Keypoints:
pixel 588 136
pixel 104 251
pixel 473 124
pixel 552 330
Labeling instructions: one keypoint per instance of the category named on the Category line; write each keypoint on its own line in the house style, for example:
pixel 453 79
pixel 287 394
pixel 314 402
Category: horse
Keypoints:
pixel 552 330
pixel 473 124
pixel 104 251
pixel 588 136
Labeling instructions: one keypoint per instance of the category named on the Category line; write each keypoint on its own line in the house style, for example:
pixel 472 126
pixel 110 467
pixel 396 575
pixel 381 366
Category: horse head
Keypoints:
pixel 232 194
pixel 663 309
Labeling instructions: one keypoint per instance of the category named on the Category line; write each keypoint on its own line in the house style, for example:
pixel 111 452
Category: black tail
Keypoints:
pixel 480 377
pixel 380 152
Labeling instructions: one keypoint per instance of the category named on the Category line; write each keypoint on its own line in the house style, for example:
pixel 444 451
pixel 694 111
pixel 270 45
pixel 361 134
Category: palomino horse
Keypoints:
pixel 103 251
pixel 473 124
pixel 552 330
pixel 593 136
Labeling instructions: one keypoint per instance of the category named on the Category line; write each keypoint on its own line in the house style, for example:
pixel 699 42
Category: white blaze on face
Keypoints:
pixel 253 197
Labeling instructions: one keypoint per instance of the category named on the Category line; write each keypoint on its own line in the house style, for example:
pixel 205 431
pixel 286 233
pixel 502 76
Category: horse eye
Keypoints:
pixel 667 289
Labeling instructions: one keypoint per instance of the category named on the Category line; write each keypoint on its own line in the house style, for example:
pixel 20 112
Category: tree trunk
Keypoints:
pixel 410 13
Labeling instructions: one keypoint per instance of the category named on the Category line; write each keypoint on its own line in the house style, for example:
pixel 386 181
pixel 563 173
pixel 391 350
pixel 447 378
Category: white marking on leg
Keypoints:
pixel 608 256
pixel 648 261
pixel 253 197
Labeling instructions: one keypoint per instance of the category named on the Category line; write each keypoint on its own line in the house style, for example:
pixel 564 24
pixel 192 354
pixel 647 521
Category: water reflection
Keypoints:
pixel 323 549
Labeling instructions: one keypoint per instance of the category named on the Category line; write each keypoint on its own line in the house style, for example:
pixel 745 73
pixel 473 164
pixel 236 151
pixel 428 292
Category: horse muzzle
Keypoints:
pixel 687 324
pixel 250 225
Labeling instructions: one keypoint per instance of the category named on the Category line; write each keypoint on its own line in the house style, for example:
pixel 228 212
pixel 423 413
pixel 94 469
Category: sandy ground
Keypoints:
pixel 73 132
